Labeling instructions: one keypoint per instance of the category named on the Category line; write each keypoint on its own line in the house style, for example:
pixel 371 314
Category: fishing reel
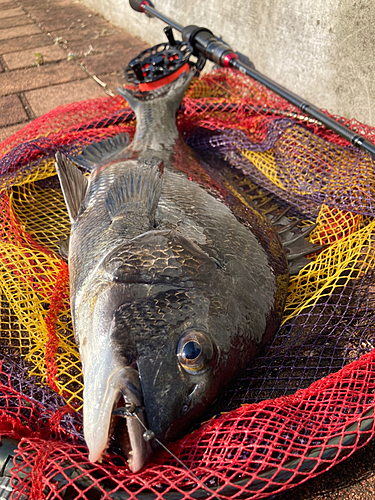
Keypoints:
pixel 165 61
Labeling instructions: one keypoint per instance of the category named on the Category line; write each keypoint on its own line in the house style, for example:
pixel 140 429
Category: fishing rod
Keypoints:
pixel 164 59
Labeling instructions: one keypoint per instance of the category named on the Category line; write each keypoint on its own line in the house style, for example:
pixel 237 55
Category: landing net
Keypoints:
pixel 303 405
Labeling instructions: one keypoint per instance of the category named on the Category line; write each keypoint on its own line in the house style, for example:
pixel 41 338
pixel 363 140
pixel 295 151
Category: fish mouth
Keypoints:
pixel 102 421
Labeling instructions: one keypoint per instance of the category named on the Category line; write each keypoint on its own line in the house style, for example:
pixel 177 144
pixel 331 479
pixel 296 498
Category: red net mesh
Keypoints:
pixel 305 403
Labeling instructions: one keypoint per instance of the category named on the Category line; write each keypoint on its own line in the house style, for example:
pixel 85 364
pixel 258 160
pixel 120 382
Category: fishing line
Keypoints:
pixel 130 412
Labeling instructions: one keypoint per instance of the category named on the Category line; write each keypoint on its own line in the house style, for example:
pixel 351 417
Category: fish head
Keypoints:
pixel 176 357
pixel 171 320
pixel 175 330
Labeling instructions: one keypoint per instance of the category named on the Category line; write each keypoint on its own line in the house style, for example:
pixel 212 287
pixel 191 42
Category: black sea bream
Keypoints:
pixel 171 293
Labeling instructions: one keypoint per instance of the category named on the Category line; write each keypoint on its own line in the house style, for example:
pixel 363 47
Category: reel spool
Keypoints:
pixel 165 61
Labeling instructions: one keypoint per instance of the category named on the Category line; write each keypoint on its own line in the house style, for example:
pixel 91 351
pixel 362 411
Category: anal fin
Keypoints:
pixel 73 184
pixel 296 244
pixel 139 187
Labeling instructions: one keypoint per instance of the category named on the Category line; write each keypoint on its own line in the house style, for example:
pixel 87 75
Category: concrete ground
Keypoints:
pixel 54 52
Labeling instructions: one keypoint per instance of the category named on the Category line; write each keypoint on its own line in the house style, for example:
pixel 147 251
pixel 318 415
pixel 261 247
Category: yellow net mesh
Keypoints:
pixel 34 220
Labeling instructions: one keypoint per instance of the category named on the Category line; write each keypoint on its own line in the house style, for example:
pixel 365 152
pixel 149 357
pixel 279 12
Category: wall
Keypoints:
pixel 323 50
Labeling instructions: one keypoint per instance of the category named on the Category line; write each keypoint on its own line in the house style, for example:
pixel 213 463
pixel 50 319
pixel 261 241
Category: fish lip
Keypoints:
pixel 133 445
pixel 99 423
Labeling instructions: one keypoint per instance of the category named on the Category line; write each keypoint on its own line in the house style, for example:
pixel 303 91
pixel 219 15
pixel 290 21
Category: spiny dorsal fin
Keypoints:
pixel 100 153
pixel 295 243
pixel 139 187
pixel 73 184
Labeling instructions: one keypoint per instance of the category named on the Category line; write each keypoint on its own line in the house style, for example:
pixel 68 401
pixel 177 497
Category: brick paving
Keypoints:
pixel 49 53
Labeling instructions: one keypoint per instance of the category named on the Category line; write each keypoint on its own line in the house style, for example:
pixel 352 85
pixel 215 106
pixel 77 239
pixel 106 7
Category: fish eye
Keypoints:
pixel 194 351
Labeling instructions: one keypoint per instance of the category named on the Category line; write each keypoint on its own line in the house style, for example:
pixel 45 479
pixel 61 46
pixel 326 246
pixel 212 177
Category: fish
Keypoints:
pixel 172 292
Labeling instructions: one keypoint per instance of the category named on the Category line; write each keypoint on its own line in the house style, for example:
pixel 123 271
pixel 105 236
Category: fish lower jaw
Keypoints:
pixel 119 429
pixel 108 385
pixel 128 434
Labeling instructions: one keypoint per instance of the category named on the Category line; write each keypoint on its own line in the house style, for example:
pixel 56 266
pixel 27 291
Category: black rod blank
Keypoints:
pixel 306 107
pixel 146 7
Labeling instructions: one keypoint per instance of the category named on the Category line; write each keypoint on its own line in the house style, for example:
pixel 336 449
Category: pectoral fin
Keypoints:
pixel 64 247
pixel 73 184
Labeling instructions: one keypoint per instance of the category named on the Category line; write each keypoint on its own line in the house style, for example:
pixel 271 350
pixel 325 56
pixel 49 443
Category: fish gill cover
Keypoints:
pixel 305 403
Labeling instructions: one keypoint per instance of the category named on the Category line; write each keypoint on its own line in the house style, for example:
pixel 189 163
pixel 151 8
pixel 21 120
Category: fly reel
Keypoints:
pixel 163 61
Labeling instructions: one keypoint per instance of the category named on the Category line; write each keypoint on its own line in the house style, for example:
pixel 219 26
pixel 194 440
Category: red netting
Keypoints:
pixel 303 405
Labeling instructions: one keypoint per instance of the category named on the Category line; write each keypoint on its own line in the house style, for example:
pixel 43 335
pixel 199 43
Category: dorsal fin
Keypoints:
pixel 136 190
pixel 73 184
pixel 100 153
